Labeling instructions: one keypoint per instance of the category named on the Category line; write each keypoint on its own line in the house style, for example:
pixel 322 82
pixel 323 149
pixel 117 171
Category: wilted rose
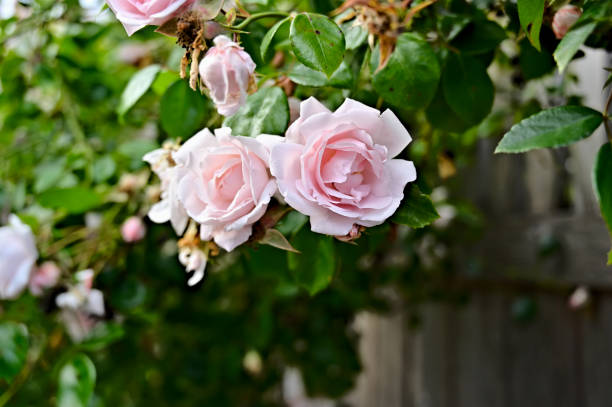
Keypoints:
pixel 227 71
pixel 338 168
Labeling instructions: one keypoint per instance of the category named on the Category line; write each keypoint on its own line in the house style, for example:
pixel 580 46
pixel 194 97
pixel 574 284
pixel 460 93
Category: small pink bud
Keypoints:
pixel 45 276
pixel 133 229
pixel 564 18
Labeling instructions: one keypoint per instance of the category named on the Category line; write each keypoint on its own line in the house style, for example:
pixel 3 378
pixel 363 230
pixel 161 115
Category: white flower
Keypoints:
pixel 18 255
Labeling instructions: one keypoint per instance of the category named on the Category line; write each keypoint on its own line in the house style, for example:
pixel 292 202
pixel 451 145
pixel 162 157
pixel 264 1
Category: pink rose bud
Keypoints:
pixel 339 168
pixel 45 276
pixel 564 18
pixel 18 255
pixel 136 14
pixel 133 229
pixel 227 72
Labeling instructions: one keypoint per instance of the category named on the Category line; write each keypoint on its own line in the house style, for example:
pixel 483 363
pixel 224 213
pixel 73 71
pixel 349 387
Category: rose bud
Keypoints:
pixel 564 18
pixel 18 255
pixel 136 14
pixel 339 168
pixel 227 72
pixel 133 229
pixel 45 276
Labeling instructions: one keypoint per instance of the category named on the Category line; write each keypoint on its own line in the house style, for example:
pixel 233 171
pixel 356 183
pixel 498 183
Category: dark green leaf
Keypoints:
pixel 602 183
pixel 76 382
pixel 74 200
pixel 302 75
pixel 467 88
pixel 531 13
pixel 14 345
pixel 136 87
pixel 572 41
pixel 317 42
pixel 182 110
pixel 410 77
pixel 267 40
pixel 416 210
pixel 265 112
pixel 554 127
pixel 314 267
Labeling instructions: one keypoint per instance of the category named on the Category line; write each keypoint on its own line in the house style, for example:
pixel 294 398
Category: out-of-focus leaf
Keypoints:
pixel 602 183
pixel 554 127
pixel 182 110
pixel 74 200
pixel 14 344
pixel 136 87
pixel 265 112
pixel 410 78
pixel 76 382
pixel 314 267
pixel 302 75
pixel 416 210
pixel 317 42
pixel 531 13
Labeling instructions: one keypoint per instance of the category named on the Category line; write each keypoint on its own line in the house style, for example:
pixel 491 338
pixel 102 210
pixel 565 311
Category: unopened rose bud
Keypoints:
pixel 579 298
pixel 45 276
pixel 564 18
pixel 227 72
pixel 133 229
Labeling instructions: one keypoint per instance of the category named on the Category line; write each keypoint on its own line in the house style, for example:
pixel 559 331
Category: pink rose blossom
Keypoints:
pixel 45 276
pixel 18 255
pixel 564 19
pixel 225 185
pixel 133 229
pixel 136 14
pixel 338 168
pixel 227 72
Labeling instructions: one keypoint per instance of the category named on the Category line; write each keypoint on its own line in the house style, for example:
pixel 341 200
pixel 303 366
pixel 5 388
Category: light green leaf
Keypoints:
pixel 265 112
pixel 317 42
pixel 14 344
pixel 136 87
pixel 74 200
pixel 571 43
pixel 531 13
pixel 410 77
pixel 302 75
pixel 267 39
pixel 554 127
pixel 314 267
pixel 182 110
pixel 416 210
pixel 467 88
pixel 76 382
pixel 602 183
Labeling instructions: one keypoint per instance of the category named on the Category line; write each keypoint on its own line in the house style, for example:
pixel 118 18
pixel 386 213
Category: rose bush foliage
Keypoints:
pixel 273 139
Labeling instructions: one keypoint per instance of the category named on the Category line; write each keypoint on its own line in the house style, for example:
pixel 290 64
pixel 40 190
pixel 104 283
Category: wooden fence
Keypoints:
pixel 481 354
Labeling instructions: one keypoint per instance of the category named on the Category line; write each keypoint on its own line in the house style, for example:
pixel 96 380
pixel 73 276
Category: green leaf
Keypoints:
pixel 317 42
pixel 571 43
pixel 14 345
pixel 265 112
pixel 267 39
pixel 602 183
pixel 103 168
pixel 76 382
pixel 74 200
pixel 554 127
pixel 314 267
pixel 416 210
pixel 182 110
pixel 410 77
pixel 531 13
pixel 136 87
pixel 467 88
pixel 302 75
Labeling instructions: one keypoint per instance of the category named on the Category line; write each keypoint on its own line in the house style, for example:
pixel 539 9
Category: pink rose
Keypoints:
pixel 225 184
pixel 133 229
pixel 564 19
pixel 338 168
pixel 136 14
pixel 45 276
pixel 18 255
pixel 227 72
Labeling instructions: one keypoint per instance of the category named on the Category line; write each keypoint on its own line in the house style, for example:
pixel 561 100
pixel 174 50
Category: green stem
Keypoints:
pixel 257 16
